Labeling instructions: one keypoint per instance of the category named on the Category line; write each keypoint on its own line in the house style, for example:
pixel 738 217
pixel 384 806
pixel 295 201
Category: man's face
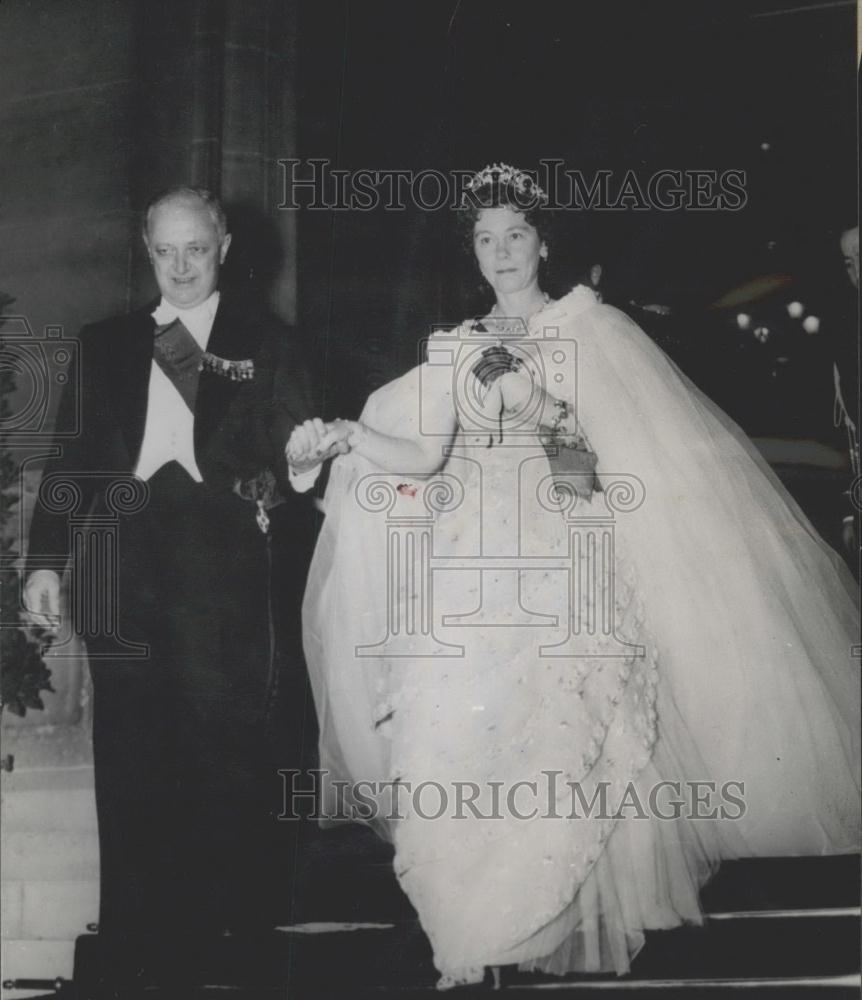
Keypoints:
pixel 185 251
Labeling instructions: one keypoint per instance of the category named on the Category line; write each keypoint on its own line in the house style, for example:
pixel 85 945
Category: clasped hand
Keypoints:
pixel 506 389
pixel 314 441
pixel 508 396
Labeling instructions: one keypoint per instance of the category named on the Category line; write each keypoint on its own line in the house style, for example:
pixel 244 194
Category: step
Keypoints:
pixel 844 988
pixel 49 855
pixel 353 933
pixel 346 874
pixel 781 989
pixel 36 960
pixel 784 883
pixel 50 778
pixel 335 957
pixel 799 945
pixel 371 893
pixel 49 809
pixel 780 949
pixel 58 911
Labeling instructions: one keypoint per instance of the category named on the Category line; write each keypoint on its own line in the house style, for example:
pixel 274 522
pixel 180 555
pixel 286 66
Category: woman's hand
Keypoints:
pixel 526 406
pixel 517 392
pixel 509 399
pixel 491 400
pixel 340 436
pixel 313 442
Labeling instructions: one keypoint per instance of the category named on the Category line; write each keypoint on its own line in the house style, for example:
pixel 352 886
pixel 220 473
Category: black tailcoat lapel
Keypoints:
pixel 129 364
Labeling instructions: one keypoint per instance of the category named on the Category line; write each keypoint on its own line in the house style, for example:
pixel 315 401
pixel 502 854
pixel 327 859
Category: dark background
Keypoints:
pixel 105 101
pixel 618 86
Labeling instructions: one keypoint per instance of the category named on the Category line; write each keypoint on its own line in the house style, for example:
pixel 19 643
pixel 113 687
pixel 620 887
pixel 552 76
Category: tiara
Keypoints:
pixel 503 174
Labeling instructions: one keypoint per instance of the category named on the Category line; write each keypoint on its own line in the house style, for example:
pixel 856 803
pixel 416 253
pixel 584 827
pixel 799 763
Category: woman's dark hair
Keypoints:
pixel 505 194
pixel 496 194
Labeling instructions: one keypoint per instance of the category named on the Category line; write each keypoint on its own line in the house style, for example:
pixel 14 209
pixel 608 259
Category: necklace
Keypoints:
pixel 518 325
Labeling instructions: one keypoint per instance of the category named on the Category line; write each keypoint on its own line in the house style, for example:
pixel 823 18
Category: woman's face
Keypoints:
pixel 508 250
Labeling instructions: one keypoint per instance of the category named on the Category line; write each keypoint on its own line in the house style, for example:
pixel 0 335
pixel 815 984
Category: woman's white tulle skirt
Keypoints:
pixel 746 677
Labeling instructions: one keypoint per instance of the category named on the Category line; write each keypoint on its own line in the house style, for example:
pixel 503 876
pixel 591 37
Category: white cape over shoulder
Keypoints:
pixel 747 674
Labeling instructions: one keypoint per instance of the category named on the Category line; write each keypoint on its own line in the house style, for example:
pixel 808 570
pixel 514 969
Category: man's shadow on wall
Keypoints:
pixel 257 254
pixel 251 270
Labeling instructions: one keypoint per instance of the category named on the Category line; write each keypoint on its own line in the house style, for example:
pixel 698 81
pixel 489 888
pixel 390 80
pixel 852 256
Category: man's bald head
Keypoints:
pixel 191 197
pixel 185 232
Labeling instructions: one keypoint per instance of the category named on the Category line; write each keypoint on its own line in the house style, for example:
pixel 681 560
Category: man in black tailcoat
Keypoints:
pixel 195 396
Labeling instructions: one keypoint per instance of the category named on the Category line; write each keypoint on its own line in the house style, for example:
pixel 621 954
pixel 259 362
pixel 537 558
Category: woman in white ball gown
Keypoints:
pixel 566 705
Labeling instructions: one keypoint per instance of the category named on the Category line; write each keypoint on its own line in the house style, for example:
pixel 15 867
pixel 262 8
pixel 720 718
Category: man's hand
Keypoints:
pixel 313 442
pixel 42 600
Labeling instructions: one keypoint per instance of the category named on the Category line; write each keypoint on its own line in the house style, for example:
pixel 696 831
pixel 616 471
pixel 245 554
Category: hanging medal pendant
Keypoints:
pixel 262 518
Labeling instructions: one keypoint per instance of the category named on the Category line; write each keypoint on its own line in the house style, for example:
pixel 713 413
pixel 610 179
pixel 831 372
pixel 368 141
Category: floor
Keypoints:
pixel 775 927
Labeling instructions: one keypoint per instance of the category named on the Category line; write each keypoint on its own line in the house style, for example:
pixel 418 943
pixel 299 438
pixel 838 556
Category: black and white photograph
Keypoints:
pixel 430 499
